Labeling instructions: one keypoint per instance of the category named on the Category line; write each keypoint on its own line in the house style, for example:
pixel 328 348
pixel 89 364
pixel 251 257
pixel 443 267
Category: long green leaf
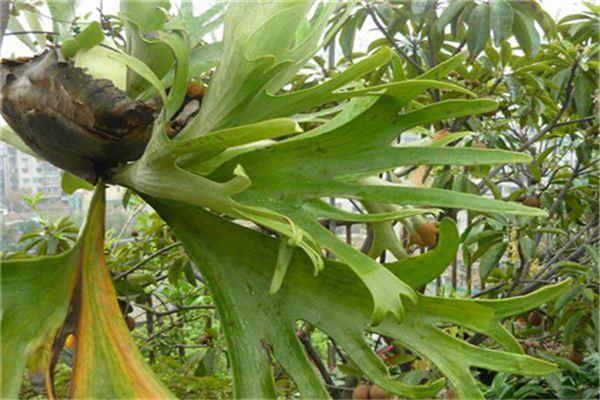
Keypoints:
pixel 385 287
pixel 180 50
pixel 501 16
pixel 142 70
pixel 260 326
pixel 35 298
pixel 259 56
pixel 401 195
pixel 490 259
pixel 526 34
pixel 321 209
pixel 63 12
pixel 450 13
pixel 479 28
pixel 196 149
pixel 142 17
pixel 11 138
pixel 107 361
pixel 378 160
pixel 36 295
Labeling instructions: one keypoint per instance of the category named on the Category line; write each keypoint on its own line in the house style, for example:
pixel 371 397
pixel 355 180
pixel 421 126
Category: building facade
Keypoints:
pixel 9 184
pixel 22 174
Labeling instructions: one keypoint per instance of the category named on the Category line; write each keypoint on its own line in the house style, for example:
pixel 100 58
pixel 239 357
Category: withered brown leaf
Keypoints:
pixel 80 124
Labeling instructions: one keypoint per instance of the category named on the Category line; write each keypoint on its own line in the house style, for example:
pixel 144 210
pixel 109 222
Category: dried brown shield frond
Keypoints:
pixel 78 123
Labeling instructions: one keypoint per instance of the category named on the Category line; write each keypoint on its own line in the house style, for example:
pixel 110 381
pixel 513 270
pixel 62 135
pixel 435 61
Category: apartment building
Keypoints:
pixel 22 174
pixel 38 176
pixel 8 171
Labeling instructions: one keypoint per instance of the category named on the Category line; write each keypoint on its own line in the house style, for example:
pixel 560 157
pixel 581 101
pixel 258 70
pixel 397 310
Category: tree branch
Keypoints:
pixel 168 328
pixel 314 356
pixel 575 121
pixel 374 16
pixel 550 127
pixel 145 260
pixel 175 310
pixel 565 188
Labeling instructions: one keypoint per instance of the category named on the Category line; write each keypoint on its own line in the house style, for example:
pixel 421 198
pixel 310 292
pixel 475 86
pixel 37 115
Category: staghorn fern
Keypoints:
pixel 245 157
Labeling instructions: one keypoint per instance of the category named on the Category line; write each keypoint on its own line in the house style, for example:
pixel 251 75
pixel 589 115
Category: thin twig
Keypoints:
pixel 460 46
pixel 497 82
pixel 145 260
pixel 564 189
pixel 135 212
pixel 191 346
pixel 161 301
pixel 575 121
pixel 314 356
pixel 374 16
pixel 175 310
pixel 31 32
pixel 168 328
pixel 556 255
pixel 550 272
pixel 550 127
pixel 488 290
